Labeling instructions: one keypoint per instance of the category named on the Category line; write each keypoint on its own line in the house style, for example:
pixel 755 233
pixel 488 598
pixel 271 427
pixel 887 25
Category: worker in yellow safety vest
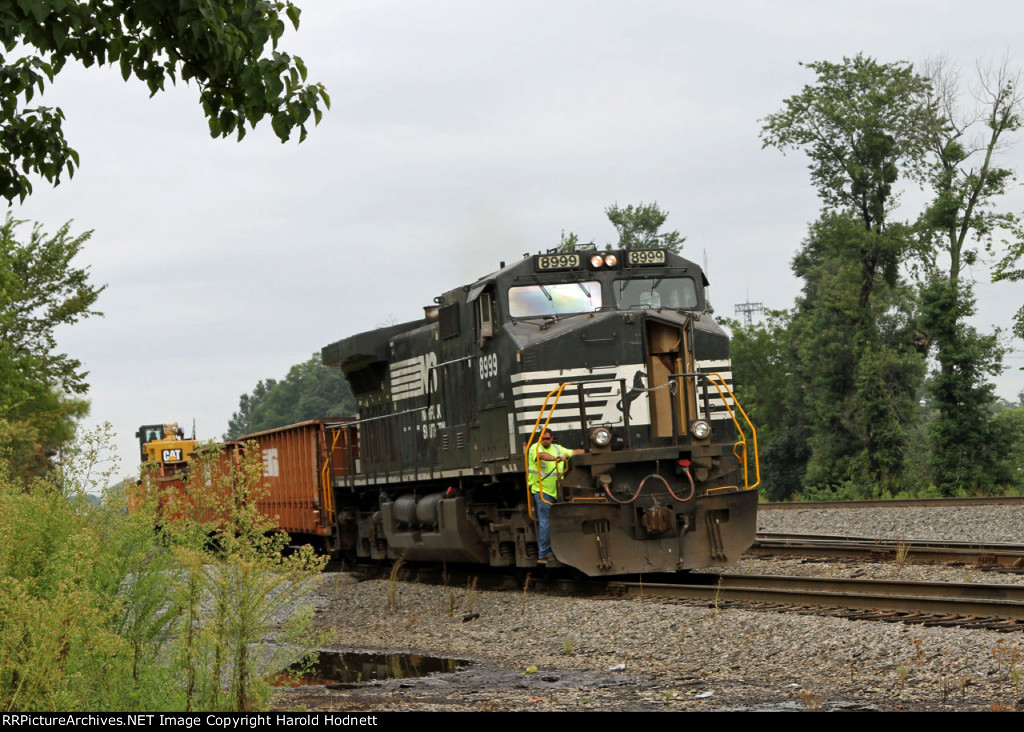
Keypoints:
pixel 545 462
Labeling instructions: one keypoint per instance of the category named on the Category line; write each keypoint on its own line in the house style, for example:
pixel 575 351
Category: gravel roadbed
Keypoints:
pixel 683 656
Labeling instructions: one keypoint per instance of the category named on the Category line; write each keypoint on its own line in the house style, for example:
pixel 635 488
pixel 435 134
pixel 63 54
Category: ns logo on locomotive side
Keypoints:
pixel 614 352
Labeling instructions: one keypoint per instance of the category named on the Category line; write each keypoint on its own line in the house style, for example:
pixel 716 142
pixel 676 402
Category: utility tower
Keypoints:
pixel 748 309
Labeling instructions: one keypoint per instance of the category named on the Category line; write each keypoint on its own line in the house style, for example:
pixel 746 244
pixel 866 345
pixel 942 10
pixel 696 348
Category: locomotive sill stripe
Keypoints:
pixel 406 386
pixel 405 367
pixel 714 396
pixel 413 378
pixel 544 379
pixel 565 411
pixel 530 419
pixel 710 383
pixel 596 372
pixel 566 402
pixel 724 373
pixel 526 425
pixel 594 397
pixel 542 390
pixel 549 382
pixel 527 429
pixel 597 391
pixel 407 362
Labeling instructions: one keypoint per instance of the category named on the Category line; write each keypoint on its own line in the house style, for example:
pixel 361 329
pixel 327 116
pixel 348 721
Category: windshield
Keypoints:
pixel 678 293
pixel 557 299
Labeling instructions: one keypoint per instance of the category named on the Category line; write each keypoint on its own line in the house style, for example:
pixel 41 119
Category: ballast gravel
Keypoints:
pixel 533 651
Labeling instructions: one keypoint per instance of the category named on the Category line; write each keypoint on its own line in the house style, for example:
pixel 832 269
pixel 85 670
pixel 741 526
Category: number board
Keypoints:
pixel 645 256
pixel 548 262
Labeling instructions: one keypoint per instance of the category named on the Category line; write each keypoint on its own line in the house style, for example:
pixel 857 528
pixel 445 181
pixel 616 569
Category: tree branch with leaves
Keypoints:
pixel 40 290
pixel 229 48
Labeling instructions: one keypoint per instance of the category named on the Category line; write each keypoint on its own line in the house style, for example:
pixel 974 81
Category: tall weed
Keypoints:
pixel 162 607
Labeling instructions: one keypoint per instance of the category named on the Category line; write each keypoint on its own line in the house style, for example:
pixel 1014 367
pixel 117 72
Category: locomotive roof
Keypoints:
pixel 370 346
pixel 525 264
pixel 366 347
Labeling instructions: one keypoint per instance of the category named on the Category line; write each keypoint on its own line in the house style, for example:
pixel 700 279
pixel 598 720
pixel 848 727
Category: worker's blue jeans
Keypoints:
pixel 543 524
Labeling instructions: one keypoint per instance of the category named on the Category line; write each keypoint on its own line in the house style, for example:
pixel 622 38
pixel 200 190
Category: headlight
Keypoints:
pixel 700 429
pixel 603 261
pixel 601 436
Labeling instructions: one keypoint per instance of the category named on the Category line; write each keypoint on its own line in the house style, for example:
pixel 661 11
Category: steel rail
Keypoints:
pixel 982 554
pixel 895 503
pixel 932 598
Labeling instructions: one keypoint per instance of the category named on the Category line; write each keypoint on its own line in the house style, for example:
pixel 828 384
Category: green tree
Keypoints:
pixel 965 448
pixel 40 290
pixel 570 242
pixel 639 227
pixel 1009 425
pixel 965 175
pixel 33 433
pixel 227 47
pixel 859 368
pixel 965 141
pixel 863 126
pixel 309 391
pixel 1007 270
pixel 763 365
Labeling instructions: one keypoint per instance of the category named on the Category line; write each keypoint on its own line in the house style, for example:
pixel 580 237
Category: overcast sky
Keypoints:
pixel 460 134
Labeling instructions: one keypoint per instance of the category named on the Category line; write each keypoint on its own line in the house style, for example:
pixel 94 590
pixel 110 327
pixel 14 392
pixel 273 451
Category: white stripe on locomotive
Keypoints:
pixel 601 398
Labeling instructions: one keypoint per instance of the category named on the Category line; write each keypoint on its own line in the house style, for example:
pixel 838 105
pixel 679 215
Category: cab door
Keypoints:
pixel 669 350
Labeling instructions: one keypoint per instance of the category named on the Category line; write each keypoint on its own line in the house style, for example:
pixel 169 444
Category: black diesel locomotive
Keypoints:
pixel 615 352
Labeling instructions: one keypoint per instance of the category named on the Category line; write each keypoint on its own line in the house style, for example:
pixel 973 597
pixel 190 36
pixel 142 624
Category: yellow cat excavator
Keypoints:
pixel 165 445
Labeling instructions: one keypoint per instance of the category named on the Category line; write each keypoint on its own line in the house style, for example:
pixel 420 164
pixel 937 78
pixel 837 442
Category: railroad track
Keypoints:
pixel 1000 555
pixel 991 606
pixel 894 503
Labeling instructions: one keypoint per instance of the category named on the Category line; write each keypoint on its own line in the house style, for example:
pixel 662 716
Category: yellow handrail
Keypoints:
pixel 714 378
pixel 719 383
pixel 557 393
pixel 327 495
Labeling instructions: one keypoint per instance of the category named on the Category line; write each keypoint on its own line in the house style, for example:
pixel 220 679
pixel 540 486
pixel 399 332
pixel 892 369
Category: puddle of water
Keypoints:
pixel 343 670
